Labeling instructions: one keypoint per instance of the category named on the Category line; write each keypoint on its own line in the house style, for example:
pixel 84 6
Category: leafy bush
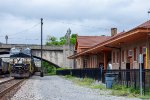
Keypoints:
pixel 49 69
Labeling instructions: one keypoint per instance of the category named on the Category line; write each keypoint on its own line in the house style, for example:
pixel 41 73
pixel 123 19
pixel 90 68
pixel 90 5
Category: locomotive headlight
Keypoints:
pixel 15 61
pixel 11 61
pixel 28 60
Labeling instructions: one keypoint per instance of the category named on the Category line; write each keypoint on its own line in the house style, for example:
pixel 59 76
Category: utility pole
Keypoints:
pixel 41 74
pixel 6 37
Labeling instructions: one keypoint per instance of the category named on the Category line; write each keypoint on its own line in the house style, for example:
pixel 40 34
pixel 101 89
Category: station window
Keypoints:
pixel 144 50
pixel 130 53
pixel 135 56
pixel 117 57
pixel 122 55
pixel 113 57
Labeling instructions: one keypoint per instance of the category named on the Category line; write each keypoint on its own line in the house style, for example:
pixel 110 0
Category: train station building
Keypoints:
pixel 121 50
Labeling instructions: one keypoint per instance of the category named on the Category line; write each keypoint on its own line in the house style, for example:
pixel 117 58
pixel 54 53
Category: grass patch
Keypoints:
pixel 61 68
pixel 121 90
pixel 124 91
pixel 99 86
pixel 146 97
pixel 87 82
pixel 118 90
pixel 84 82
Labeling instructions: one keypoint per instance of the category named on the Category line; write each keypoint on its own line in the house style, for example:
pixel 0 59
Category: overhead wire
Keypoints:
pixel 25 30
pixel 87 26
pixel 33 38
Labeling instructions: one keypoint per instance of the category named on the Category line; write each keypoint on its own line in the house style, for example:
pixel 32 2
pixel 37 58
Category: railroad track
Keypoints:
pixel 7 86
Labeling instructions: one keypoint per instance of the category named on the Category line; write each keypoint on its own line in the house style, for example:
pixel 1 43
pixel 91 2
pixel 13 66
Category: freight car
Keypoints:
pixel 21 63
pixel 4 67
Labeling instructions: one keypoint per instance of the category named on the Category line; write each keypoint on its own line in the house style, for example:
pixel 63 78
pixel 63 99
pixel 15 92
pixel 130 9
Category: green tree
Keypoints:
pixel 73 39
pixel 73 35
pixel 62 40
pixel 51 40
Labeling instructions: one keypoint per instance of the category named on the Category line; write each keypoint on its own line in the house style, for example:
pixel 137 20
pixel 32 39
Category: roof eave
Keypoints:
pixel 106 42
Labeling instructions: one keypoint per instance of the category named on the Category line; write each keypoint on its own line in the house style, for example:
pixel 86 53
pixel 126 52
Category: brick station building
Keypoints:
pixel 120 49
pixel 83 43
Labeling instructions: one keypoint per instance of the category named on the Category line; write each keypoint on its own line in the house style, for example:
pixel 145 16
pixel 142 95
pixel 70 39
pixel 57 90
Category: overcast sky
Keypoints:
pixel 20 19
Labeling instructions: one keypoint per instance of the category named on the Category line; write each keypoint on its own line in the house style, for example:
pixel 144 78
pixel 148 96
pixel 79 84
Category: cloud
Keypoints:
pixel 85 17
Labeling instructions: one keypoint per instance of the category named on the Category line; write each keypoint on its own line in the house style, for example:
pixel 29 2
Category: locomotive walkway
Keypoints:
pixel 58 88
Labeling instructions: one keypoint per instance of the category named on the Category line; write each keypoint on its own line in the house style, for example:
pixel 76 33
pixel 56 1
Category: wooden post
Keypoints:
pixel 105 60
pixel 146 58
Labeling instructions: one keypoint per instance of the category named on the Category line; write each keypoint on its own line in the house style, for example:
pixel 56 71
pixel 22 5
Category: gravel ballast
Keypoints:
pixel 58 88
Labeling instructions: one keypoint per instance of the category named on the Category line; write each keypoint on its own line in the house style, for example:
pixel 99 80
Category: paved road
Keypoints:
pixel 57 88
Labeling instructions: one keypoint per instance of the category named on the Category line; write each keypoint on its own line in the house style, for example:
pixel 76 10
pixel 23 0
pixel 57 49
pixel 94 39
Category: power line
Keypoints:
pixel 25 30
pixel 13 36
pixel 87 26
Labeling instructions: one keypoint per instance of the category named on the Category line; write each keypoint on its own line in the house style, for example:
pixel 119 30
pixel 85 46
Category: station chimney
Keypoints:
pixel 113 31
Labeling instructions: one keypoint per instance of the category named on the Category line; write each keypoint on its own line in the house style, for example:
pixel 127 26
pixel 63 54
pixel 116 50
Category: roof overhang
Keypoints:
pixel 127 37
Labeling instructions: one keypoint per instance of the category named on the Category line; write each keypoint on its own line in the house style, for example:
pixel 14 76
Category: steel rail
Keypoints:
pixel 6 81
pixel 9 88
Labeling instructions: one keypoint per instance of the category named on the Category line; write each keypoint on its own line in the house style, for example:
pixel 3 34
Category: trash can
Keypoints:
pixel 109 79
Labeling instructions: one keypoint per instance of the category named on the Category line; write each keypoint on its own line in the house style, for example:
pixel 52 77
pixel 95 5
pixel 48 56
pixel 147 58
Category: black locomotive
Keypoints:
pixel 21 63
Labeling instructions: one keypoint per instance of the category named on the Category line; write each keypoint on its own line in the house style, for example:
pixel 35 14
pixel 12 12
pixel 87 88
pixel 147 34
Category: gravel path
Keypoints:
pixel 57 88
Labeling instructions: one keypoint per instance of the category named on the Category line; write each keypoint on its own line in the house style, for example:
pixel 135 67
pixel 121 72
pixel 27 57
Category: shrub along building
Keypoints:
pixel 121 50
